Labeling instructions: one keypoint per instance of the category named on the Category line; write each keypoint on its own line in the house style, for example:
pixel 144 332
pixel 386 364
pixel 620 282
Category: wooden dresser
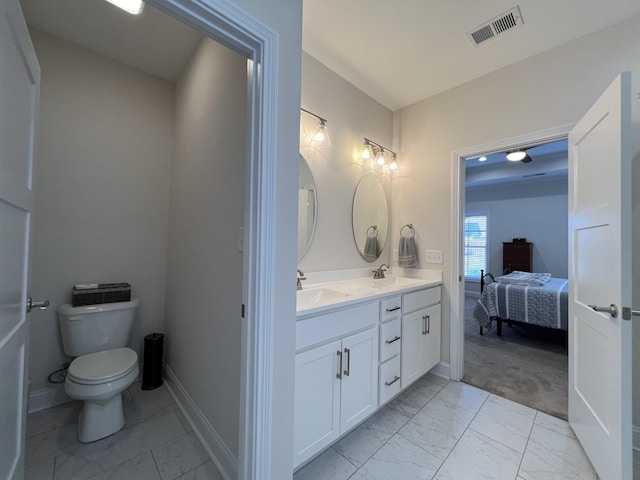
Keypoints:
pixel 517 256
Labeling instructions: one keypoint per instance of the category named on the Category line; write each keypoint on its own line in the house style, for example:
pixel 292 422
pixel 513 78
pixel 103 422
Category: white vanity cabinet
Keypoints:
pixel 421 328
pixel 336 382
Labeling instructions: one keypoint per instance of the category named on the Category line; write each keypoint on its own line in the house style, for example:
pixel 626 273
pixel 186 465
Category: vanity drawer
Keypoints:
pixel 389 379
pixel 390 308
pixel 390 339
pixel 417 300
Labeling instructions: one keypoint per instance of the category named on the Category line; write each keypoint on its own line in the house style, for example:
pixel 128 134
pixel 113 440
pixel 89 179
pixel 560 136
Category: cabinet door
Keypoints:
pixel 317 400
pixel 411 365
pixel 431 339
pixel 359 389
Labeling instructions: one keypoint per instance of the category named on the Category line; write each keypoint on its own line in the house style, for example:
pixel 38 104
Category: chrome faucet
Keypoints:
pixel 300 277
pixel 379 272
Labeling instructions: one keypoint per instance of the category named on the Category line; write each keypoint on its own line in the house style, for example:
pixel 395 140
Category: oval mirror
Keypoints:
pixel 307 208
pixel 370 217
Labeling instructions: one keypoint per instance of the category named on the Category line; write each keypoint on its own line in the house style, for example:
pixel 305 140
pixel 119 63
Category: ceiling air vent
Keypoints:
pixel 500 24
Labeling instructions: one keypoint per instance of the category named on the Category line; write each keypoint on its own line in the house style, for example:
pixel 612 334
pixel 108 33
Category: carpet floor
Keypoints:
pixel 527 364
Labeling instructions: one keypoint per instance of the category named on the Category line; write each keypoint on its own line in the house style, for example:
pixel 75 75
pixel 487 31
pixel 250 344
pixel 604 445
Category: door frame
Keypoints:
pixel 456 334
pixel 232 27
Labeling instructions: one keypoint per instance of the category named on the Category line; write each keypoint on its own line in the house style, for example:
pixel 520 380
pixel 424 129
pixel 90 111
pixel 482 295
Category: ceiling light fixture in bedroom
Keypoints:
pixel 516 155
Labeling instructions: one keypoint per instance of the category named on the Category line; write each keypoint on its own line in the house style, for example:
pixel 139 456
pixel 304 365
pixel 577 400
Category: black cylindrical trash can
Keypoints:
pixel 152 368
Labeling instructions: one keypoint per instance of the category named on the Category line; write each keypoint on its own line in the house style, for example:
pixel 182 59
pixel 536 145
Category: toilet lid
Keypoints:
pixel 102 367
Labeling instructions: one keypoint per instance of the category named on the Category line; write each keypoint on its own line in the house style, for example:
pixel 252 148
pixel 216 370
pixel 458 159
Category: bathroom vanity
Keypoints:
pixel 359 342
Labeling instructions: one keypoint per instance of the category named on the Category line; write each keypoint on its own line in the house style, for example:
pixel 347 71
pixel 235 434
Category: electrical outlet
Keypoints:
pixel 395 254
pixel 434 256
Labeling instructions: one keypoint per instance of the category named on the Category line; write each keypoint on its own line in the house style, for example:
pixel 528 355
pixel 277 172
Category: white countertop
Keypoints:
pixel 342 288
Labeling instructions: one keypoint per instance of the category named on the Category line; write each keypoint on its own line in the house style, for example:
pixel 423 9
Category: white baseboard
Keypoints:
pixel 443 369
pixel 221 456
pixel 46 398
pixel 636 438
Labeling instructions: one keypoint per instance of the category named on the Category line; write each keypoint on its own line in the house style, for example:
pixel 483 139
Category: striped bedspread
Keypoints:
pixel 546 306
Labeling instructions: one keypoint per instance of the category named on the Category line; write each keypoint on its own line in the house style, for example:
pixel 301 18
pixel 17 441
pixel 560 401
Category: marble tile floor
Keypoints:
pixel 156 444
pixel 445 430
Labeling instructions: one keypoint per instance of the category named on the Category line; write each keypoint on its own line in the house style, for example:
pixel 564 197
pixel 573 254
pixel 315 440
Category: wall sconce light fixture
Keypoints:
pixel 375 154
pixel 320 137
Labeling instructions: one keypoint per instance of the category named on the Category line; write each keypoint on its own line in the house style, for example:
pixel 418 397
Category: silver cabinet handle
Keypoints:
pixel 395 379
pixel 391 341
pixel 339 374
pixel 424 324
pixel 393 309
pixel 611 310
pixel 428 324
pixel 42 305
pixel 348 352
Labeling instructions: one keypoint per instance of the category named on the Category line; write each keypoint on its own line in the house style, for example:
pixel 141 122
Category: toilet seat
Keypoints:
pixel 102 367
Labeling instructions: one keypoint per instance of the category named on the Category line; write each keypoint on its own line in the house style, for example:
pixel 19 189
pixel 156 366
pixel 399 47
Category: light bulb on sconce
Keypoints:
pixel 394 162
pixel 380 157
pixel 367 151
pixel 320 137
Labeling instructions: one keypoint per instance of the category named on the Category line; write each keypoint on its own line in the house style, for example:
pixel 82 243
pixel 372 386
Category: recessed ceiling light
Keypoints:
pixel 482 159
pixel 134 7
pixel 516 156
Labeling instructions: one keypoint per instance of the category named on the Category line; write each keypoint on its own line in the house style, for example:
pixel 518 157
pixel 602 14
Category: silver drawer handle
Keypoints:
pixel 395 379
pixel 393 309
pixel 391 341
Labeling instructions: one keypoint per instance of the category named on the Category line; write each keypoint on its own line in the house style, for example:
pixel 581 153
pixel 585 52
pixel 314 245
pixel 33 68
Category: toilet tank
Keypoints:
pixel 93 328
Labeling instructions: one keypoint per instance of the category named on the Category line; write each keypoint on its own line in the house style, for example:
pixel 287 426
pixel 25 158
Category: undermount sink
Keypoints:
pixel 317 295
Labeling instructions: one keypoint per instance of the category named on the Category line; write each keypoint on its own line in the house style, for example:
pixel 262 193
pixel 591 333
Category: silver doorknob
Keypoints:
pixel 611 310
pixel 42 305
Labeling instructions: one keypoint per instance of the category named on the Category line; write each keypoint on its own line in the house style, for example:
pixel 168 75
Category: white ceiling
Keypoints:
pixel 152 42
pixel 400 52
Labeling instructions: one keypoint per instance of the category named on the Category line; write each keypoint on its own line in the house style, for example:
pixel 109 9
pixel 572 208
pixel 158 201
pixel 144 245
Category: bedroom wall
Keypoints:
pixel 548 90
pixel 535 211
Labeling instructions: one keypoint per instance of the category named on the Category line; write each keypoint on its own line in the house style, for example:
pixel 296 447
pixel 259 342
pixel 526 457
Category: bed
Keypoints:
pixel 522 297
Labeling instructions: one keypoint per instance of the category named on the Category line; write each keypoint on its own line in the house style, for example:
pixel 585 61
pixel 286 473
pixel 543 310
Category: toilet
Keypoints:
pixel 103 367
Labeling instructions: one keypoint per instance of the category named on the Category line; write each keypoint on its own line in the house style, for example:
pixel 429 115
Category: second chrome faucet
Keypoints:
pixel 379 272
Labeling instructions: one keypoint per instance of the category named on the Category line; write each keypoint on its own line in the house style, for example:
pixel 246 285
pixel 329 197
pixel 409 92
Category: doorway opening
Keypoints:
pixel 475 197
pixel 253 268
pixel 516 221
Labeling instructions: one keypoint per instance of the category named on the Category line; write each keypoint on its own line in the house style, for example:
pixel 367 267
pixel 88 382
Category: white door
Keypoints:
pixel 19 80
pixel 359 389
pixel 600 275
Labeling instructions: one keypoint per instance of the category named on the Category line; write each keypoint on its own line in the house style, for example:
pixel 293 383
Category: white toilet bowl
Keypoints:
pixel 99 379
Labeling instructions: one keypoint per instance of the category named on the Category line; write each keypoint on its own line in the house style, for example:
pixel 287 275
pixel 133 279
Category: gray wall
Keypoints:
pixel 548 90
pixel 204 272
pixel 535 211
pixel 104 146
pixel 351 115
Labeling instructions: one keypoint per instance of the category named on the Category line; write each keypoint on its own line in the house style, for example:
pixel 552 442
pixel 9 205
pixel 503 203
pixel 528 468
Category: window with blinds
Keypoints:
pixel 475 245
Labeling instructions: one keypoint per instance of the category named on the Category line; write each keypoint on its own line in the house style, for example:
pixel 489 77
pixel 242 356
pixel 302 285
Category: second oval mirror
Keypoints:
pixel 370 217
